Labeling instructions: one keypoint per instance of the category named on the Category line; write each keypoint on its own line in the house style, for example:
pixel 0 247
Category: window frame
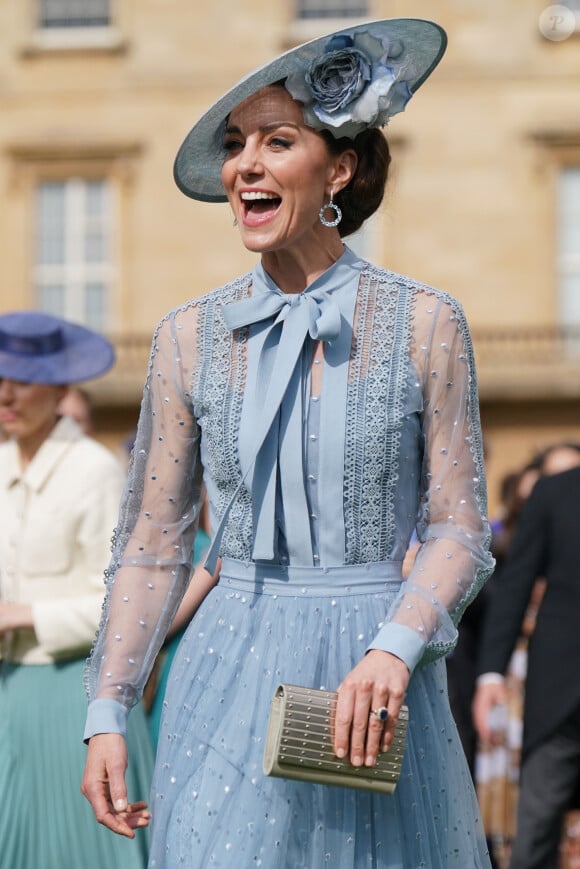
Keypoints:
pixel 116 161
pixel 556 148
pixel 574 6
pixel 43 16
pixel 567 263
pixel 76 272
pixel 109 38
pixel 333 13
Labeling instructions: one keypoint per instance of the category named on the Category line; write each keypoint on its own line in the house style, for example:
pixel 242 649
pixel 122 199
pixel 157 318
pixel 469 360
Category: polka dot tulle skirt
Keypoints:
pixel 212 804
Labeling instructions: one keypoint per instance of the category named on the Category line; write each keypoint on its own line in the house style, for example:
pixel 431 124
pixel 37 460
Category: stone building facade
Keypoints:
pixel 484 198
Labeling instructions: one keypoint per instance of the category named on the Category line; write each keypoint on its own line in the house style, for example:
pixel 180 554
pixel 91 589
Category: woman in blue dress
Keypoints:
pixel 330 408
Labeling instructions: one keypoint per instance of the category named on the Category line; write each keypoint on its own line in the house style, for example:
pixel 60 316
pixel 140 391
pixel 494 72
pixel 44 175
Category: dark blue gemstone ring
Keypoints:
pixel 382 713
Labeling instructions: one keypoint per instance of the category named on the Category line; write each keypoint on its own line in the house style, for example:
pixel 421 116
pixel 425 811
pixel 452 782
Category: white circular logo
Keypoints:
pixel 557 23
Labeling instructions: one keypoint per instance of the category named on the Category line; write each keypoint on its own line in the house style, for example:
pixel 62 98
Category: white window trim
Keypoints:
pixel 326 18
pixel 567 264
pixel 75 38
pixel 75 272
pixel 58 39
pixel 575 8
pixel 303 29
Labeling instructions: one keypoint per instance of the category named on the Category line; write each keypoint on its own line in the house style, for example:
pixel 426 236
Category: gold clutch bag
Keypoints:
pixel 299 743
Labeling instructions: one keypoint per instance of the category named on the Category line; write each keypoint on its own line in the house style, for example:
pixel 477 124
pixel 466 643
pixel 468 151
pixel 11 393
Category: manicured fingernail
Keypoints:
pixel 120 805
pixel 340 752
pixel 370 761
pixel 357 761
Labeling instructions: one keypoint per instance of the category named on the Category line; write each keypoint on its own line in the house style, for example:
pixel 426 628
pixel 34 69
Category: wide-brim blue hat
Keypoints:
pixel 40 348
pixel 349 80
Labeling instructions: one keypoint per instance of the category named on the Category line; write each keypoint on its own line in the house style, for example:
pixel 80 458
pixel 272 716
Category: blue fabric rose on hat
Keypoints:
pixel 338 77
pixel 357 83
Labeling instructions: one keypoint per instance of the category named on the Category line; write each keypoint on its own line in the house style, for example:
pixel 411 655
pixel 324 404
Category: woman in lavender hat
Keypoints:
pixel 59 493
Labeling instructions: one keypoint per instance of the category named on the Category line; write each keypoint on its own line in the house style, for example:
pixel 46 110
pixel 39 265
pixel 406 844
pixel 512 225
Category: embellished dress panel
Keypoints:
pixel 315 493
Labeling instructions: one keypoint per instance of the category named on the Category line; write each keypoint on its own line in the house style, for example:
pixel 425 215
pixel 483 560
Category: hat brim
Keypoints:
pixel 85 354
pixel 197 167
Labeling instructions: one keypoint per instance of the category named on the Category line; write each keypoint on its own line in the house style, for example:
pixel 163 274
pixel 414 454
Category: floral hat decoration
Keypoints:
pixel 347 81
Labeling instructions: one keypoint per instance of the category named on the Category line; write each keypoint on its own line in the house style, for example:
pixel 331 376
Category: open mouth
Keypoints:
pixel 259 205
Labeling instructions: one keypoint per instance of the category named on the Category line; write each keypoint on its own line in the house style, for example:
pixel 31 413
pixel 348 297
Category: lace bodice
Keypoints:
pixel 398 449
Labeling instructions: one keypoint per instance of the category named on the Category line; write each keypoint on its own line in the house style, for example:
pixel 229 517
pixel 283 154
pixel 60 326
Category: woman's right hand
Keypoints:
pixel 379 679
pixel 104 786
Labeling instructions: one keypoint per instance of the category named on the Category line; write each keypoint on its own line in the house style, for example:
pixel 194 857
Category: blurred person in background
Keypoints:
pixel 59 494
pixel 544 546
pixel 570 848
pixel 515 490
pixel 462 661
pixel 77 404
pixel 496 767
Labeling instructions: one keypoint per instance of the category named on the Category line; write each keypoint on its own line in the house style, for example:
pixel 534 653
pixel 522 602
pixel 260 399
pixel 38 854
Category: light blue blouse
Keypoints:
pixel 391 443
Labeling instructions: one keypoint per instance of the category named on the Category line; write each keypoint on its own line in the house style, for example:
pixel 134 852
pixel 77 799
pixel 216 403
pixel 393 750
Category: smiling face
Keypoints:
pixel 277 173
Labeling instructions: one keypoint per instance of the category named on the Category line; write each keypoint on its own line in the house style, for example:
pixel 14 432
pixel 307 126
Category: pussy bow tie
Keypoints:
pixel 281 382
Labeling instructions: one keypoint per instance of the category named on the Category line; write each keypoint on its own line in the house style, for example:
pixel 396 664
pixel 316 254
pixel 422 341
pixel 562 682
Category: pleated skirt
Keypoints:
pixel 45 822
pixel 213 806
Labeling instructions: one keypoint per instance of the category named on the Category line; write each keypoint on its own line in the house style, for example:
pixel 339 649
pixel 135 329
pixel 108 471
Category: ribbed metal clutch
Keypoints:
pixel 299 743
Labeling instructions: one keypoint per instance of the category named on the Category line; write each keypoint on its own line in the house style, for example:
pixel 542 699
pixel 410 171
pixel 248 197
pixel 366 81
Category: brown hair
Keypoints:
pixel 364 192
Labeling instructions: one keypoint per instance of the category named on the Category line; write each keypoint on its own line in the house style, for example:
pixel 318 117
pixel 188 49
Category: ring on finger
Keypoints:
pixel 382 713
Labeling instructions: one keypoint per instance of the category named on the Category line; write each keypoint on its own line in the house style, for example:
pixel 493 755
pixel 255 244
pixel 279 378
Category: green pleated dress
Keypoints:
pixel 45 822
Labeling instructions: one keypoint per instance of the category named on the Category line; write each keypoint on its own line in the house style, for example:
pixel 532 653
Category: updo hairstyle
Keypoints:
pixel 364 192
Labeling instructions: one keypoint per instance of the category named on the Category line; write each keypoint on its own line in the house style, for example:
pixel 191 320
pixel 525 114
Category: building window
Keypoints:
pixel 62 14
pixel 574 6
pixel 308 9
pixel 73 258
pixel 568 227
pixel 78 25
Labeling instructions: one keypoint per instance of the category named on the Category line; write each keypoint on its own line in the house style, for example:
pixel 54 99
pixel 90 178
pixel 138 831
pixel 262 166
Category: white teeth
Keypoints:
pixel 258 194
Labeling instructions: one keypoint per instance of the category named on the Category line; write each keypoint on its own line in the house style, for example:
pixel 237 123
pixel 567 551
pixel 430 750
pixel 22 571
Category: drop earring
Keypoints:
pixel 332 205
pixel 235 221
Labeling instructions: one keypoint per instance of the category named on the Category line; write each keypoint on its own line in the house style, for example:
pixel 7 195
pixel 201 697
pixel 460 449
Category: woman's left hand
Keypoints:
pixel 379 680
pixel 14 616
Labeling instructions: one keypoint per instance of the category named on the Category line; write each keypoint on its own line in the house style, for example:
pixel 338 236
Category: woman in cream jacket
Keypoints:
pixel 59 497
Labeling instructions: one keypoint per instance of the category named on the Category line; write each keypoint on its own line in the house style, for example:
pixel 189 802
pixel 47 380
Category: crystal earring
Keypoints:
pixel 235 221
pixel 335 208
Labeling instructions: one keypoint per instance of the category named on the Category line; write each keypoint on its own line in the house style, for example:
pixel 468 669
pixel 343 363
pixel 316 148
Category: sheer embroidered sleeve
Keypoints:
pixel 153 541
pixel 453 560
